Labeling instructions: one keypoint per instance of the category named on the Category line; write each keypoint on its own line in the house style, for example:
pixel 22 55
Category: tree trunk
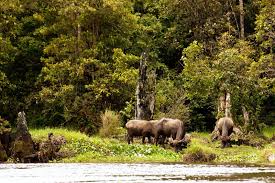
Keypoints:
pixel 245 116
pixel 151 94
pixel 224 106
pixel 145 92
pixel 228 105
pixel 241 19
pixel 221 106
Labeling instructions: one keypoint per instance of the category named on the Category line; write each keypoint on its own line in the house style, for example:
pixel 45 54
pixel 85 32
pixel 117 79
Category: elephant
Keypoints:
pixel 167 127
pixel 223 130
pixel 137 128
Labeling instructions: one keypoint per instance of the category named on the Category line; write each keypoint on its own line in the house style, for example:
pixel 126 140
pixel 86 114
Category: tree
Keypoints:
pixel 145 92
pixel 228 72
pixel 84 65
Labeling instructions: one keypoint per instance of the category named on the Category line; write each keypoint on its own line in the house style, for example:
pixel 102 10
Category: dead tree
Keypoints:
pixel 224 105
pixel 145 92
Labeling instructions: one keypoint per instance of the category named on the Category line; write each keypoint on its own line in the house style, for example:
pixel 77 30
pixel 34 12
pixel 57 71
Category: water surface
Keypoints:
pixel 120 172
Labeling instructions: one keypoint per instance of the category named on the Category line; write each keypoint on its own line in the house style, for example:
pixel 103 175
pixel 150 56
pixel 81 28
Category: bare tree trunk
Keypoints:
pixel 241 19
pixel 221 106
pixel 228 105
pixel 145 92
pixel 245 116
pixel 140 92
pixel 224 106
pixel 151 95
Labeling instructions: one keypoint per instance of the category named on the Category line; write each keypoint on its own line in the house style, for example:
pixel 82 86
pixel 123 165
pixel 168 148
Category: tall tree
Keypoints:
pixel 80 77
pixel 145 92
pixel 241 18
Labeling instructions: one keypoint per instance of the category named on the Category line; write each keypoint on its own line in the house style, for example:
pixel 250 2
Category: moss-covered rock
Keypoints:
pixel 23 144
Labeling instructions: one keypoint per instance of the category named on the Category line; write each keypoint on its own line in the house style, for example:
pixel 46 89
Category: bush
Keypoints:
pixel 4 126
pixel 110 124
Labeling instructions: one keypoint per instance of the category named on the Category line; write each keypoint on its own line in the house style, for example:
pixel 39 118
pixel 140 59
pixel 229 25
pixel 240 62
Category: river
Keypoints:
pixel 123 172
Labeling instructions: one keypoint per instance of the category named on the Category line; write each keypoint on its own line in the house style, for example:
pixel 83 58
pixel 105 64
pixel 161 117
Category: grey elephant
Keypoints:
pixel 167 127
pixel 137 128
pixel 223 130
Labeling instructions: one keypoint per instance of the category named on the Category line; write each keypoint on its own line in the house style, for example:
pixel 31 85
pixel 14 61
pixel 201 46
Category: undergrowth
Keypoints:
pixel 81 148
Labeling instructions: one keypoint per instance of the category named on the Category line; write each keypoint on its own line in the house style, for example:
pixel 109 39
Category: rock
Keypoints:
pixel 23 145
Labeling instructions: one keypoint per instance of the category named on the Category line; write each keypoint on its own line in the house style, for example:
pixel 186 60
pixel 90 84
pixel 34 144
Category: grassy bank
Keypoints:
pixel 202 149
pixel 81 148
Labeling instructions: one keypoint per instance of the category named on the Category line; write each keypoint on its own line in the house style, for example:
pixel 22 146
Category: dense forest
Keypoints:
pixel 64 62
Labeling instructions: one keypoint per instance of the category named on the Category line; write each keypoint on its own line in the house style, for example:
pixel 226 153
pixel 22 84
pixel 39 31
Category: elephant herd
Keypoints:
pixel 174 130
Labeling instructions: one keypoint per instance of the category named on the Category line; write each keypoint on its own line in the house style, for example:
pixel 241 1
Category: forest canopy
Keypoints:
pixel 65 62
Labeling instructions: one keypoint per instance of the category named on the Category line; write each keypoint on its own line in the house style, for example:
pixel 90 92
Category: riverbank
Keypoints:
pixel 83 149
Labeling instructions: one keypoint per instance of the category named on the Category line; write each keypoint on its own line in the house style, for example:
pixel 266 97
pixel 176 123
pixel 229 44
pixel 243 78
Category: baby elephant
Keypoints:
pixel 223 129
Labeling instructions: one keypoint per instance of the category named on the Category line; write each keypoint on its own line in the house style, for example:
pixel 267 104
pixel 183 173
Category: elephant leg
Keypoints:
pixel 174 136
pixel 163 140
pixel 156 139
pixel 149 139
pixel 228 144
pixel 224 144
pixel 143 139
pixel 128 139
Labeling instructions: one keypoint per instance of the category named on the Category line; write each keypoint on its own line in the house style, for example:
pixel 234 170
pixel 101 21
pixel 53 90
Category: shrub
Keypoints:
pixel 4 126
pixel 110 124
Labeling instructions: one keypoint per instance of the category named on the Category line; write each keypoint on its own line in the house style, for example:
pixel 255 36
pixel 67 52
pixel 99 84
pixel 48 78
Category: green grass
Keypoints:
pixel 81 148
pixel 269 131
pixel 235 155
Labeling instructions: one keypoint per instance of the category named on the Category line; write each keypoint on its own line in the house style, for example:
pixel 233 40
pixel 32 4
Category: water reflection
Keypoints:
pixel 112 172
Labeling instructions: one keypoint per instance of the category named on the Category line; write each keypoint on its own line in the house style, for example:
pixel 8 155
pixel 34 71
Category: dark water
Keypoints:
pixel 117 172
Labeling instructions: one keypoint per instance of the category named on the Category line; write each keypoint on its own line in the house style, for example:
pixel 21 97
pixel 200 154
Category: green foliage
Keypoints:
pixel 269 131
pixel 82 148
pixel 231 70
pixel 202 149
pixel 65 62
pixel 4 126
pixel 110 124
pixel 265 23
pixel 170 101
